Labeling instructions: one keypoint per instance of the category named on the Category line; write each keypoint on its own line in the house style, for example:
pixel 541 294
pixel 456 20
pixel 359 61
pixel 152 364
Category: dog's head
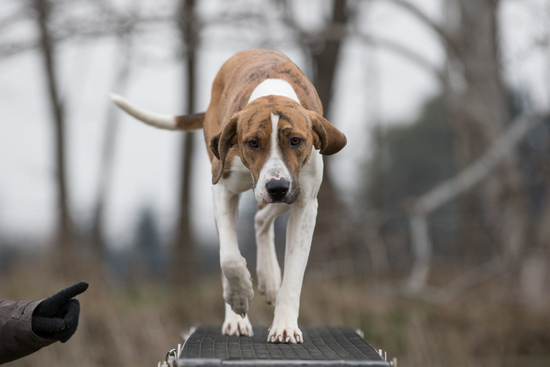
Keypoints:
pixel 275 136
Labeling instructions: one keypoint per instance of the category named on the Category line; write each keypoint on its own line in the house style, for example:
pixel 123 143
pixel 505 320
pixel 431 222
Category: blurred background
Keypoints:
pixel 433 231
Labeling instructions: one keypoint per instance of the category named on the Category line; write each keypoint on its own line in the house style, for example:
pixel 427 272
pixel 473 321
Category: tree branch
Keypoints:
pixel 337 32
pixel 478 170
pixel 78 30
pixel 445 37
pixel 408 54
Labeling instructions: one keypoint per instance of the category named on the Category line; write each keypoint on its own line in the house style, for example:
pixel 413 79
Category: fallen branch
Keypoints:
pixel 453 187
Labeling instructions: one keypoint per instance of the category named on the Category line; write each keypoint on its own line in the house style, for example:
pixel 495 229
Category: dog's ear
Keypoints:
pixel 326 137
pixel 220 145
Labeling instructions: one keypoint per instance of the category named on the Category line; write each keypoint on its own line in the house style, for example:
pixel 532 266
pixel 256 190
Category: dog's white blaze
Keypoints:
pixel 274 167
pixel 274 87
pixel 274 138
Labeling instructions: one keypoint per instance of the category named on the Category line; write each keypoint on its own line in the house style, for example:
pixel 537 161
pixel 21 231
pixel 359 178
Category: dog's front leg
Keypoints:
pixel 237 283
pixel 235 324
pixel 298 243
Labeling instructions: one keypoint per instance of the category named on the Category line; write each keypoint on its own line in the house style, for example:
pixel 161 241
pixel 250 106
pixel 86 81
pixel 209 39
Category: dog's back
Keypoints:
pixel 245 70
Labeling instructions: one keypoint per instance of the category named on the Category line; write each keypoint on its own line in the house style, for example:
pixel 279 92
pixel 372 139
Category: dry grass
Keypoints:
pixel 125 325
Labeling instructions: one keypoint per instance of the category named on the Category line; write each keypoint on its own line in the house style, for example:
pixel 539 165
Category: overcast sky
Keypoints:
pixel 374 86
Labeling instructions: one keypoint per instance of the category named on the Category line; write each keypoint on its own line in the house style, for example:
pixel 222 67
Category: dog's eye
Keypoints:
pixel 253 143
pixel 295 141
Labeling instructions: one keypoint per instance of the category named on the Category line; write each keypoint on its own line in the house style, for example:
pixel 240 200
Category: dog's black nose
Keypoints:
pixel 277 189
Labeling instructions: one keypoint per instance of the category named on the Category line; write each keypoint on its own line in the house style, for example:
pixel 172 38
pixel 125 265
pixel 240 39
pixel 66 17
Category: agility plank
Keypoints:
pixel 323 346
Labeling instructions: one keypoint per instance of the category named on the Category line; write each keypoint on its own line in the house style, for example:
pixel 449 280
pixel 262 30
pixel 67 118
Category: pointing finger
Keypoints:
pixel 70 292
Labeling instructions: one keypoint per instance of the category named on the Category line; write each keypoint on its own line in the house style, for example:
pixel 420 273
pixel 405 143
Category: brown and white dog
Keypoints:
pixel 265 130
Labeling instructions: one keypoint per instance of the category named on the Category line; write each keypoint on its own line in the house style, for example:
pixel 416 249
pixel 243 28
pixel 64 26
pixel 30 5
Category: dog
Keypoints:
pixel 265 131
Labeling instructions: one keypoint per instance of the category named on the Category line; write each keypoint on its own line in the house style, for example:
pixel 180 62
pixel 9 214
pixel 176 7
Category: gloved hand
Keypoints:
pixel 57 317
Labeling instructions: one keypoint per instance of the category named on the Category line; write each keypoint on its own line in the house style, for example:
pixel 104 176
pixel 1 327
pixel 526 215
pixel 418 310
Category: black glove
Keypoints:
pixel 57 317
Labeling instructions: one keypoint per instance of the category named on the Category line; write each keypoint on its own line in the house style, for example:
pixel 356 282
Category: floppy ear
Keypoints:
pixel 326 137
pixel 220 144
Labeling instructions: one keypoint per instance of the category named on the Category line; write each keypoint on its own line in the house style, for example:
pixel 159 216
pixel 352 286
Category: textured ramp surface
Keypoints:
pixel 323 346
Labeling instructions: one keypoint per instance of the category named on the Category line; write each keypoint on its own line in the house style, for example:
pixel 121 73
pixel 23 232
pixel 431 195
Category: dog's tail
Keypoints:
pixel 168 122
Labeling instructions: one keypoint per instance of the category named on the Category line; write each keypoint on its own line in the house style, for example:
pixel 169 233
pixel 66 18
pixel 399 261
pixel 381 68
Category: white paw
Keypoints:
pixel 236 325
pixel 237 286
pixel 269 282
pixel 285 328
pixel 285 334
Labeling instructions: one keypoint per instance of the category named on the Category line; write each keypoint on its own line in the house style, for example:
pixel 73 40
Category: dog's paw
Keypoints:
pixel 269 282
pixel 284 334
pixel 238 296
pixel 237 325
pixel 237 289
pixel 285 327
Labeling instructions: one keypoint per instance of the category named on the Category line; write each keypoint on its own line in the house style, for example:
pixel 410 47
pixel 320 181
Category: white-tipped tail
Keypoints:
pixel 150 118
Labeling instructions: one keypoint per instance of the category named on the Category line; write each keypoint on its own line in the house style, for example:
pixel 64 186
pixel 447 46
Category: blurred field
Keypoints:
pixel 135 325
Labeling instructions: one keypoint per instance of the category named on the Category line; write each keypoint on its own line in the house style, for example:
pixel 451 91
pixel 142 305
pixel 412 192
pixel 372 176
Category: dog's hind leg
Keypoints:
pixel 267 266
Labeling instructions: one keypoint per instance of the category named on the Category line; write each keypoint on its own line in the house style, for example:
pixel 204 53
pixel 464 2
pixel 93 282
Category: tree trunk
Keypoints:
pixel 328 237
pixel 481 114
pixel 65 232
pixel 184 260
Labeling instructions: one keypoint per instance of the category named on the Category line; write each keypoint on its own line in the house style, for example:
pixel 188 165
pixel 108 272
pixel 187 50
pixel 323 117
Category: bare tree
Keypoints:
pixel 184 261
pixel 65 231
pixel 328 236
pixel 331 239
pixel 480 113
